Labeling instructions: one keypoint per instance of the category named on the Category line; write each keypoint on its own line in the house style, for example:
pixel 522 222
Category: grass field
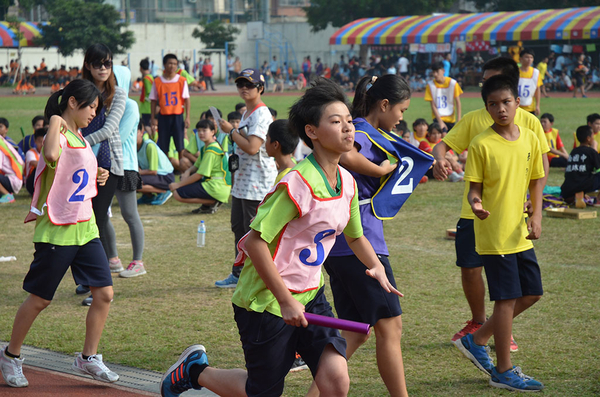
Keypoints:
pixel 154 317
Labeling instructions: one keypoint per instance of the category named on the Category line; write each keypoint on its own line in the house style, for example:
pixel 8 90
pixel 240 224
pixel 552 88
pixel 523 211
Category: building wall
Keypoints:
pixel 155 40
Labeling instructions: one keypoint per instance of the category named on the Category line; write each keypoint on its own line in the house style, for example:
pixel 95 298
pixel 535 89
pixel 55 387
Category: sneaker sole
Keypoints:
pixel 300 368
pixel 181 359
pixel 509 387
pixel 469 356
pixel 117 270
pixel 83 372
pixel 132 275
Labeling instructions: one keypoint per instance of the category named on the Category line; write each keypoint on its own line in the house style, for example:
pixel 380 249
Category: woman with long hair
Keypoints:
pixel 103 134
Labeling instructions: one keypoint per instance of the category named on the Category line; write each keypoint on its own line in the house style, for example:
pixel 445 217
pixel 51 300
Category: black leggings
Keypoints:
pixel 101 203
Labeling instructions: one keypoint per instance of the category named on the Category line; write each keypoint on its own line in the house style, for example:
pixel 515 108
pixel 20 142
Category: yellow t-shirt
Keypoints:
pixel 457 92
pixel 527 75
pixel 554 142
pixel 505 168
pixel 542 67
pixel 477 121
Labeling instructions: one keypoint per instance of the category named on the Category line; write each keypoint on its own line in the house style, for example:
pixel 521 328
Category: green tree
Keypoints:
pixel 77 24
pixel 518 5
pixel 215 34
pixel 321 13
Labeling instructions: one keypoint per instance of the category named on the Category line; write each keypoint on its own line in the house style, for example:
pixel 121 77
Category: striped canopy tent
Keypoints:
pixel 560 24
pixel 8 39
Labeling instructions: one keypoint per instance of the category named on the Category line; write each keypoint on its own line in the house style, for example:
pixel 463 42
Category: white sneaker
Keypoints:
pixel 115 267
pixel 94 367
pixel 133 270
pixel 12 370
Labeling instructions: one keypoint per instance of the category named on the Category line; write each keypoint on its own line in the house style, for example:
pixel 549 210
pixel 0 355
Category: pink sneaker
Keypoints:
pixel 133 270
pixel 513 345
pixel 471 327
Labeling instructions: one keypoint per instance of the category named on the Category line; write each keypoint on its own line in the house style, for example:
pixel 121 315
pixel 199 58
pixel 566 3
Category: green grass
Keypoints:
pixel 154 317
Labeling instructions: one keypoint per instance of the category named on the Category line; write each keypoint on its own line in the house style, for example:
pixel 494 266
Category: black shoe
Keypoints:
pixel 87 301
pixel 201 209
pixel 82 290
pixel 210 209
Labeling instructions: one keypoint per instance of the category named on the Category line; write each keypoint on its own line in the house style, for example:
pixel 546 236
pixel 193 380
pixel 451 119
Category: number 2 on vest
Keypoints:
pixel 305 253
pixel 171 98
pixel 83 181
pixel 404 169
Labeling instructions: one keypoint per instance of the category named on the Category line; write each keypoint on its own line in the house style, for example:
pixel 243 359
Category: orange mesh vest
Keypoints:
pixel 169 95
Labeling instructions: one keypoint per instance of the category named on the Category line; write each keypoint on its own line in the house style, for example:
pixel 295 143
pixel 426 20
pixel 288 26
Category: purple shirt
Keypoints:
pixel 367 187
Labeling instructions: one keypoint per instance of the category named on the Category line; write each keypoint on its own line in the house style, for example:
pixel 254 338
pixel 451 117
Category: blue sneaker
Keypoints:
pixel 7 198
pixel 229 282
pixel 514 379
pixel 146 199
pixel 478 355
pixel 177 379
pixel 162 198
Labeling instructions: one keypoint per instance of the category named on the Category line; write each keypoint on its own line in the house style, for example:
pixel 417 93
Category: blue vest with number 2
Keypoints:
pixel 397 186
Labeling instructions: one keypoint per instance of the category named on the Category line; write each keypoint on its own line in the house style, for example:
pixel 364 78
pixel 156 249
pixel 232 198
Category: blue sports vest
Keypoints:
pixel 398 186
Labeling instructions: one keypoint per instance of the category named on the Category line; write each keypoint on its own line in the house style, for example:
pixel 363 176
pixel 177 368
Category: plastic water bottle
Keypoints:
pixel 201 239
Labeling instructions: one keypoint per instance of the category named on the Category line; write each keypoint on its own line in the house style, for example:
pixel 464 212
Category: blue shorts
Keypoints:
pixel 270 345
pixel 512 276
pixel 464 244
pixel 88 263
pixel 170 125
pixel 195 190
pixel 358 297
pixel 158 181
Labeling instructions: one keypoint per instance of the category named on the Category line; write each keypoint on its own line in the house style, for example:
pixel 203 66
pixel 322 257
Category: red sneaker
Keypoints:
pixel 513 345
pixel 424 179
pixel 471 327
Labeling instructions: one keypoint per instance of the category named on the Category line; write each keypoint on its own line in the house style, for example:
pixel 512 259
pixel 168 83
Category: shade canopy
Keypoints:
pixel 8 39
pixel 560 24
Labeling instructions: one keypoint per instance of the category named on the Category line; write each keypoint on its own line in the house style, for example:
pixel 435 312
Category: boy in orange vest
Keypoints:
pixel 171 93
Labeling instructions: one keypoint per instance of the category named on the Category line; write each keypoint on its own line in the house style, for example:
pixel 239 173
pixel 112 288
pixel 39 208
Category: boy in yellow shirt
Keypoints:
pixel 444 95
pixel 504 162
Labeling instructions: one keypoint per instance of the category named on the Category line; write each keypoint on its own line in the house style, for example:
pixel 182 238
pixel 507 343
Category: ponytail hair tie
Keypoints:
pixel 370 84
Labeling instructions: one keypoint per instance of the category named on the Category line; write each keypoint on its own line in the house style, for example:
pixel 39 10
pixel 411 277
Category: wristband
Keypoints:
pixel 231 132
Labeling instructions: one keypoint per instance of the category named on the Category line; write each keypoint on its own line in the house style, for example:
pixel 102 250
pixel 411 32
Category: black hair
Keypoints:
pixel 141 126
pixel 506 66
pixel 206 123
pixel 593 117
pixel 234 116
pixel 40 132
pixel 369 93
pixel 402 127
pixel 169 56
pixel 279 132
pixel 273 112
pixel 419 122
pixel 4 121
pixel 36 119
pixel 84 91
pixel 239 106
pixel 309 108
pixel 548 117
pixel 145 64
pixel 96 53
pixel 526 51
pixel 497 83
pixel 583 133
pixel 437 66
pixel 434 126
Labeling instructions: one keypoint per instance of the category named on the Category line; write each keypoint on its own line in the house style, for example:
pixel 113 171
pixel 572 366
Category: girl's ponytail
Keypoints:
pixel 84 92
pixel 371 90
pixel 53 106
